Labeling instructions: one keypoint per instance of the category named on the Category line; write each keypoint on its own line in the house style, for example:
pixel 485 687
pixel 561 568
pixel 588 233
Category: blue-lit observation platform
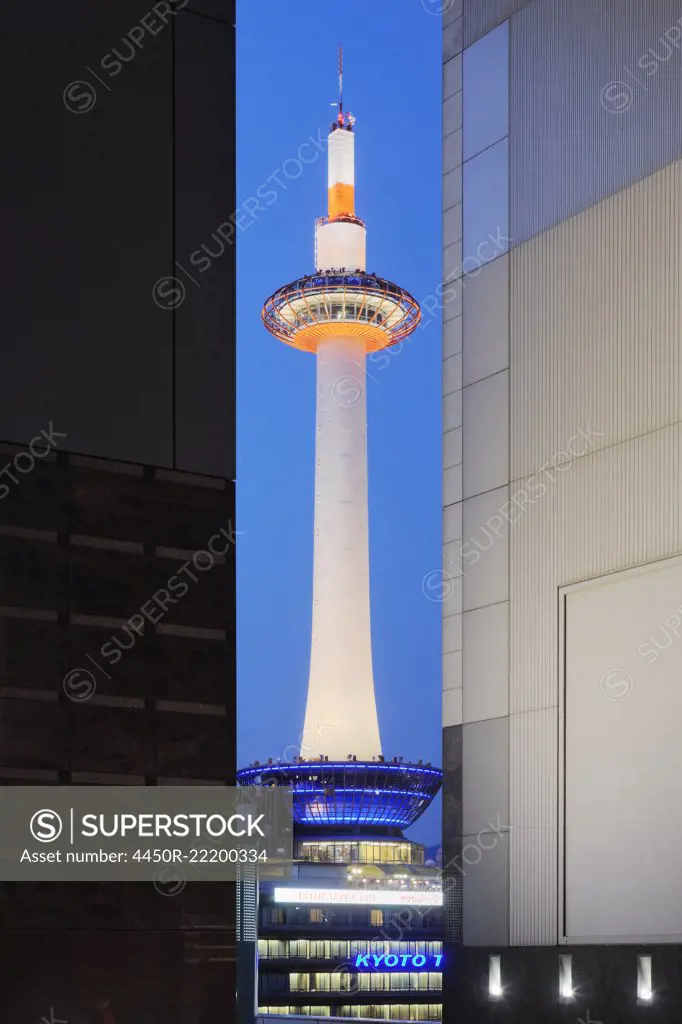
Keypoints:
pixel 348 793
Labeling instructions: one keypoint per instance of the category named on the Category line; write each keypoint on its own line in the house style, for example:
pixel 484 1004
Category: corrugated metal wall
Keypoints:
pixel 596 322
pixel 595 94
pixel 481 16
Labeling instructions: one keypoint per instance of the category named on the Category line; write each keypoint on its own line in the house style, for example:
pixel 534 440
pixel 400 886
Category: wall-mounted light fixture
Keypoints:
pixel 495 976
pixel 566 990
pixel 644 985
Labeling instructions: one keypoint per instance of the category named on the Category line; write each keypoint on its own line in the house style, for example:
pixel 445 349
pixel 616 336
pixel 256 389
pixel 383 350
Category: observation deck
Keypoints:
pixel 388 794
pixel 343 304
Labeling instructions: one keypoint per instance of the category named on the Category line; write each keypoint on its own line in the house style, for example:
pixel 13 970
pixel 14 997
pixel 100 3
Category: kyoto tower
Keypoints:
pixel 340 314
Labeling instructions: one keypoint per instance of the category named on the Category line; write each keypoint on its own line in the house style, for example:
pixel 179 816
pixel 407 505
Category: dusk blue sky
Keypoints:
pixel 286 77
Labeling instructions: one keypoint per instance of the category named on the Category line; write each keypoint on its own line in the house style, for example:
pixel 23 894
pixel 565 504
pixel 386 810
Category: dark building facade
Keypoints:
pixel 117 645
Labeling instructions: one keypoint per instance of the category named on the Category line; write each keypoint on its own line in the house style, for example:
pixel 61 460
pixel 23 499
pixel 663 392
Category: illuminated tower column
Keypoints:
pixel 341 313
pixel 341 715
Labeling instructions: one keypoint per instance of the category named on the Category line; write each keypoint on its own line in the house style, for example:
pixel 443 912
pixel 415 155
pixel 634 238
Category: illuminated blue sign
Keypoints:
pixel 403 961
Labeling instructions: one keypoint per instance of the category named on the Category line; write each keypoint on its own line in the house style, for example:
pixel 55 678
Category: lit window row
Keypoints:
pixel 341 949
pixel 347 981
pixel 317 310
pixel 394 1011
pixel 319 915
pixel 566 989
pixel 342 917
pixel 300 1011
pixel 397 1011
pixel 360 853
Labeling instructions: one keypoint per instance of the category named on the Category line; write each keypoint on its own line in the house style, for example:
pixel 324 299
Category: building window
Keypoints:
pixel 360 852
pixel 376 918
pixel 316 916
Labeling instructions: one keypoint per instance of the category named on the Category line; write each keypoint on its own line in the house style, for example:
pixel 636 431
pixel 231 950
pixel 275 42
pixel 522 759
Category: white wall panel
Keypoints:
pixel 595 342
pixel 452 670
pixel 452 448
pixel 452 374
pixel 595 315
pixel 452 707
pixel 452 76
pixel 452 633
pixel 485 302
pixel 452 188
pixel 485 561
pixel 452 230
pixel 623 756
pixel 485 430
pixel 452 523
pixel 452 485
pixel 452 330
pixel 486 662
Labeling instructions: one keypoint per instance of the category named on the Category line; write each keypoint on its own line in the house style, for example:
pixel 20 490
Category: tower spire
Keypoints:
pixel 341 81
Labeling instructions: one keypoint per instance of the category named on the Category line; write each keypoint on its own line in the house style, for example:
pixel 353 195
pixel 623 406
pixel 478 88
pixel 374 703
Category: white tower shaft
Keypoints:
pixel 341 716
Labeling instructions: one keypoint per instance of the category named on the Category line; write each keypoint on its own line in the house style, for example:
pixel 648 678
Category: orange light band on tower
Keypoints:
pixel 341 170
pixel 341 200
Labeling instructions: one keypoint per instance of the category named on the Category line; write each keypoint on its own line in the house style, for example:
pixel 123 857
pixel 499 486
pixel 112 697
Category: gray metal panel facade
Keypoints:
pixel 593 330
pixel 482 16
pixel 594 103
pixel 596 391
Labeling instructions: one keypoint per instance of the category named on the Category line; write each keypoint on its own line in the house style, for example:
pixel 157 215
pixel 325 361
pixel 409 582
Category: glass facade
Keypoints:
pixel 341 949
pixel 363 852
pixel 343 916
pixel 397 1011
pixel 379 981
pixel 301 1011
